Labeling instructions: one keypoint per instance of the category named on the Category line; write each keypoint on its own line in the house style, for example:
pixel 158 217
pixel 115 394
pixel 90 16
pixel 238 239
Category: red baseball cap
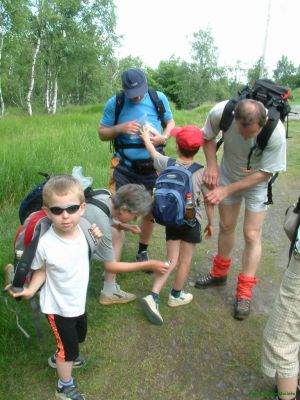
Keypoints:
pixel 189 137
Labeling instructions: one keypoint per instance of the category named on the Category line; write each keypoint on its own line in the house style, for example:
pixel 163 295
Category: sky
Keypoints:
pixel 155 30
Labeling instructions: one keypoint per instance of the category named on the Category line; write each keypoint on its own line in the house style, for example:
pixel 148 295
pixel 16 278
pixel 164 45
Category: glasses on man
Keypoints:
pixel 56 210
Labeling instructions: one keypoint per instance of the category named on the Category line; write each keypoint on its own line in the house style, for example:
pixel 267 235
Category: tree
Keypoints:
pixel 11 22
pixel 285 73
pixel 254 72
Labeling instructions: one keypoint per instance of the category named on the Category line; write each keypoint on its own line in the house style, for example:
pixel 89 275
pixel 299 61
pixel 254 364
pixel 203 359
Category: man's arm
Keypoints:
pixel 211 175
pixel 154 265
pixel 216 195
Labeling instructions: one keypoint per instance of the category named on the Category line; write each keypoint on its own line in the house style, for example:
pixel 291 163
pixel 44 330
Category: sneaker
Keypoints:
pixel 184 298
pixel 142 256
pixel 76 364
pixel 68 393
pixel 242 308
pixel 208 280
pixel 118 297
pixel 150 308
pixel 8 274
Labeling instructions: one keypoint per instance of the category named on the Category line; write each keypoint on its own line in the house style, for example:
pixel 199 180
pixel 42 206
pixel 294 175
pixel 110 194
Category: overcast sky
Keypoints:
pixel 156 29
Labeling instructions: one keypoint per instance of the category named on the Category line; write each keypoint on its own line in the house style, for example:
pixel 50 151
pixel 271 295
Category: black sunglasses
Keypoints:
pixel 70 209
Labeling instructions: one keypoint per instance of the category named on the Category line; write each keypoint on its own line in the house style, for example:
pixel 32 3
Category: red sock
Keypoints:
pixel 244 286
pixel 220 267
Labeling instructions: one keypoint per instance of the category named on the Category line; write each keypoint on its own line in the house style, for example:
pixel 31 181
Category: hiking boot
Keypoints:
pixel 242 308
pixel 208 280
pixel 184 298
pixel 150 308
pixel 117 297
pixel 8 274
pixel 76 364
pixel 69 393
pixel 143 256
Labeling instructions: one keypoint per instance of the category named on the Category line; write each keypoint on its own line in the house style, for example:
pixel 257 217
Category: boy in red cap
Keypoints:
pixel 181 241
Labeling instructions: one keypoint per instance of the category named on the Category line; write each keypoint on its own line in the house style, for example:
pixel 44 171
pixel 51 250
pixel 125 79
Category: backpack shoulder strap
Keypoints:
pixel 158 104
pixel 194 167
pixel 23 265
pixel 120 98
pixel 100 204
pixel 268 129
pixel 171 162
pixel 85 225
pixel 227 115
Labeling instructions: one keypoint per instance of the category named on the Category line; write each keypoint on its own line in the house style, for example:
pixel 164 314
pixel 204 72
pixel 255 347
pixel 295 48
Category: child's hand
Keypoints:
pixel 144 133
pixel 208 231
pixel 160 267
pixel 25 293
pixel 96 232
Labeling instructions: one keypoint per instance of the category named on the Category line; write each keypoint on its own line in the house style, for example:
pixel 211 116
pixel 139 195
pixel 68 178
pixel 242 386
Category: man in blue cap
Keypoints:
pixel 124 116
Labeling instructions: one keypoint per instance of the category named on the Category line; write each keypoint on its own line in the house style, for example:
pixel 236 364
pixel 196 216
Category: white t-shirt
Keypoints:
pixel 67 273
pixel 236 148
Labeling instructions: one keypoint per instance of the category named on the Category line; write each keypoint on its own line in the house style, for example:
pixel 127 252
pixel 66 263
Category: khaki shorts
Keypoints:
pixel 281 339
pixel 255 197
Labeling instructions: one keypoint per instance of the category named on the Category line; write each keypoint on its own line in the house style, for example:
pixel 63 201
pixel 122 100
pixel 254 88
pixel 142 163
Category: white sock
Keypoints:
pixel 109 288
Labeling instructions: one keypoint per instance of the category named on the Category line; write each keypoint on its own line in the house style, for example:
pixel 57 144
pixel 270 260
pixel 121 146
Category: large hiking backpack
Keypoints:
pixel 33 200
pixel 170 191
pixel 275 99
pixel 159 107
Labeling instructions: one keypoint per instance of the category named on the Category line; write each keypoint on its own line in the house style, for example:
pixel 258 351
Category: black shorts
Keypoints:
pixel 186 233
pixel 124 175
pixel 68 332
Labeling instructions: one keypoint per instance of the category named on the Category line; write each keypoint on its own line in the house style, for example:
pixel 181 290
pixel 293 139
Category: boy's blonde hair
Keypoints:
pixel 62 185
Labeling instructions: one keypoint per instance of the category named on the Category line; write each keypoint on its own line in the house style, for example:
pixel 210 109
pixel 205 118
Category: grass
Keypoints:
pixel 200 352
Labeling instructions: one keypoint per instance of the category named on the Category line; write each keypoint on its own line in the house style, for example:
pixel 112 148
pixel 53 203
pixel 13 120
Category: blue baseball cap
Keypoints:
pixel 134 82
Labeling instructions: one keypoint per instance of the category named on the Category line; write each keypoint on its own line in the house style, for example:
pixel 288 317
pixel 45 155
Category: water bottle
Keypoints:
pixel 189 208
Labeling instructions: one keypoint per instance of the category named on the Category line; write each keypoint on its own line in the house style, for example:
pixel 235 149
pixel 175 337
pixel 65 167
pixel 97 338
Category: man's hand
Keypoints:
pixel 211 177
pixel 216 195
pixel 160 267
pixel 135 229
pixel 156 138
pixel 129 127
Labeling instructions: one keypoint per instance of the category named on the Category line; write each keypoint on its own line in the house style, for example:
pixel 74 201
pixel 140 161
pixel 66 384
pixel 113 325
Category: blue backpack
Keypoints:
pixel 171 187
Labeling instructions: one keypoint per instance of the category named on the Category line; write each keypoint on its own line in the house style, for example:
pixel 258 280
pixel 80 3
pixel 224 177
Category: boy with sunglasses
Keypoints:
pixel 61 267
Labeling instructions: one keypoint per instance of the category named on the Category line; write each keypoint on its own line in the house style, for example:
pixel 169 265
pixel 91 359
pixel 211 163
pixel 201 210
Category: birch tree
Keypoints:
pixel 37 10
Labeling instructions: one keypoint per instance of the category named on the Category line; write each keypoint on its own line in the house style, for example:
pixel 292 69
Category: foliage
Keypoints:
pixel 77 64
pixel 286 73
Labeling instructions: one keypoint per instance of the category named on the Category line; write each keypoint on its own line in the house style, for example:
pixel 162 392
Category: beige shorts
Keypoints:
pixel 281 339
pixel 255 197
